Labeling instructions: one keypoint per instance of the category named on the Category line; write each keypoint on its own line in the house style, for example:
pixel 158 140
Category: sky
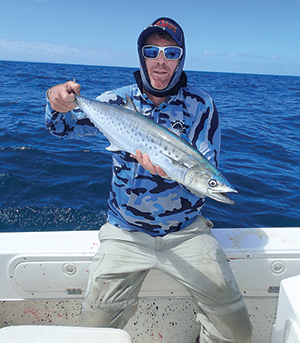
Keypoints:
pixel 237 36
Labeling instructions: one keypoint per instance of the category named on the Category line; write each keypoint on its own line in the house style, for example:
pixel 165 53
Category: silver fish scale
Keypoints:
pixel 128 130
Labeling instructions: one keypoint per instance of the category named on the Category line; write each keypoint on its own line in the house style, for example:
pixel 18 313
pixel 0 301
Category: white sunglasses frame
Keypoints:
pixel 162 48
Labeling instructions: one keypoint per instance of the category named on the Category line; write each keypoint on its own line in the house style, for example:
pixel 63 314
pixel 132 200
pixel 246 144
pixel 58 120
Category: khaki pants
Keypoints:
pixel 192 256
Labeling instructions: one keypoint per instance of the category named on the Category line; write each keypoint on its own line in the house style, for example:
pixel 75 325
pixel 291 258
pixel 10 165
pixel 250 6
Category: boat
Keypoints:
pixel 43 279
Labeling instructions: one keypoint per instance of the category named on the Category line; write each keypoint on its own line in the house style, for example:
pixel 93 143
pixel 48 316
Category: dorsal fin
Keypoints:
pixel 129 104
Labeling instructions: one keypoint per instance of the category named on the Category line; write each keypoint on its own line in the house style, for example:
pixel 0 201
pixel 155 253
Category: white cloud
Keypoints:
pixel 60 53
pixel 209 60
pixel 33 48
pixel 209 53
pixel 235 55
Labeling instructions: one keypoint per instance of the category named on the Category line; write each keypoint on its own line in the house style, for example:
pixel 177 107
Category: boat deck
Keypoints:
pixel 44 275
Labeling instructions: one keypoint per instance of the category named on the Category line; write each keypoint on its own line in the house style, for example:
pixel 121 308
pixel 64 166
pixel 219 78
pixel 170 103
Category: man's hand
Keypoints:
pixel 144 160
pixel 61 97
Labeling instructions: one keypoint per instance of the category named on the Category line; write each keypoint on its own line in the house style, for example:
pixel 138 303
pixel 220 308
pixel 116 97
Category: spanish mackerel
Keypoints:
pixel 128 130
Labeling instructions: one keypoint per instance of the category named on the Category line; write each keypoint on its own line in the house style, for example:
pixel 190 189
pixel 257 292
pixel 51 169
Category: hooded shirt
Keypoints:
pixel 138 200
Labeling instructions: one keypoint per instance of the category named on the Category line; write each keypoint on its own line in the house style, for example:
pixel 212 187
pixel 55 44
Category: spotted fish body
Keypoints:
pixel 127 130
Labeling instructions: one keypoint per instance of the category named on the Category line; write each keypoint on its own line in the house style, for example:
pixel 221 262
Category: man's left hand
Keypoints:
pixel 145 161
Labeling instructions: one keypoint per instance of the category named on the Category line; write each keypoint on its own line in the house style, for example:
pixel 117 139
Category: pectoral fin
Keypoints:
pixel 112 147
pixel 178 162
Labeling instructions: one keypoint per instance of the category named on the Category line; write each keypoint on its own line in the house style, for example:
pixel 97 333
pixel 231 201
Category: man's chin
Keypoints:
pixel 159 81
pixel 159 85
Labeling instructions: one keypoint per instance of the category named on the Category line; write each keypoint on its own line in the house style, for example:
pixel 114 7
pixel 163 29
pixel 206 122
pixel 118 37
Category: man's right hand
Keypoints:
pixel 61 97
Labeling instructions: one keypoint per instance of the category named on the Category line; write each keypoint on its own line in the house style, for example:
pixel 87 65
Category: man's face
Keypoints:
pixel 160 70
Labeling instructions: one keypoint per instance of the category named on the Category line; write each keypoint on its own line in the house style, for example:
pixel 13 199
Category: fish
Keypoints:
pixel 128 130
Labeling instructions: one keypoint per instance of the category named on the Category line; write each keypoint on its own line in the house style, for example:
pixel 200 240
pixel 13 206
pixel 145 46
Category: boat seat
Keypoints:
pixel 287 326
pixel 61 334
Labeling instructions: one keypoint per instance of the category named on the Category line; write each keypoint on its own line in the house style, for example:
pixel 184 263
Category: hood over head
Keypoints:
pixel 174 30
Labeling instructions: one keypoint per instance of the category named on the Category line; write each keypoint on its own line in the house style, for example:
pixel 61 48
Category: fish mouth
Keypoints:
pixel 222 196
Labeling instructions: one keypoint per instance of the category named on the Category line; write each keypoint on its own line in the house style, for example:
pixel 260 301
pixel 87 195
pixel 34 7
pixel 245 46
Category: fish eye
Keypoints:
pixel 212 183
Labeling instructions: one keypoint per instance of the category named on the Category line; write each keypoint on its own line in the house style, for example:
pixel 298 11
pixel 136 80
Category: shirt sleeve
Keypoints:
pixel 205 133
pixel 76 124
pixel 73 124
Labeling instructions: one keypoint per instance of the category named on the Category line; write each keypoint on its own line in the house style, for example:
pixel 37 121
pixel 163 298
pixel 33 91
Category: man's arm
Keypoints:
pixel 205 133
pixel 61 117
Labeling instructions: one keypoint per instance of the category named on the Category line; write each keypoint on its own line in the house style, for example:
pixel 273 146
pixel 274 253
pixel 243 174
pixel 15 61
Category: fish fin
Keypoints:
pixel 177 161
pixel 129 103
pixel 112 147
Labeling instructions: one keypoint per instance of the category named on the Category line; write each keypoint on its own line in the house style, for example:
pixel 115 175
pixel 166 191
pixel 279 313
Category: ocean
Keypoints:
pixel 51 184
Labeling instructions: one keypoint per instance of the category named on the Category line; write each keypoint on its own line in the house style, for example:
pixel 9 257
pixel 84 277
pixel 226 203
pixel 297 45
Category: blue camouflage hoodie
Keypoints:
pixel 138 200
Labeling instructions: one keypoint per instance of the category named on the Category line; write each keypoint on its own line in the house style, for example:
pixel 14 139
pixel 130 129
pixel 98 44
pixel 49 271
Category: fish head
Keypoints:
pixel 211 183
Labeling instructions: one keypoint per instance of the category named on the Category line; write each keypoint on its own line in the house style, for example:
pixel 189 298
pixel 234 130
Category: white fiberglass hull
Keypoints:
pixel 44 274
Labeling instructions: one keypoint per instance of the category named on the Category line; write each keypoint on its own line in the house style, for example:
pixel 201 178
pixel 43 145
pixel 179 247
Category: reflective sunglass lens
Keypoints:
pixel 150 52
pixel 171 53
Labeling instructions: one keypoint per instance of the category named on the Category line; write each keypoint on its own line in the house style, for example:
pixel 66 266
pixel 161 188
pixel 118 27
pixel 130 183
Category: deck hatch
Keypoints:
pixel 51 276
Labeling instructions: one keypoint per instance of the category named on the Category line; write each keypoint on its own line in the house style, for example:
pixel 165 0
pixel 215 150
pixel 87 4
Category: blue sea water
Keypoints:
pixel 48 183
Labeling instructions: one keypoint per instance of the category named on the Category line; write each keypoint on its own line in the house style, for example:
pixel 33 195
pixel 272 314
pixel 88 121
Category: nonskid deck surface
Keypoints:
pixel 260 259
pixel 157 320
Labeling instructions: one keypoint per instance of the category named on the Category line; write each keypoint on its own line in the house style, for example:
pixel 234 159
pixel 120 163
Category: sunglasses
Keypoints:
pixel 170 52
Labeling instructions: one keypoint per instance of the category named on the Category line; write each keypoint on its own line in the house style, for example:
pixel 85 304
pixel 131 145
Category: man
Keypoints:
pixel 154 222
